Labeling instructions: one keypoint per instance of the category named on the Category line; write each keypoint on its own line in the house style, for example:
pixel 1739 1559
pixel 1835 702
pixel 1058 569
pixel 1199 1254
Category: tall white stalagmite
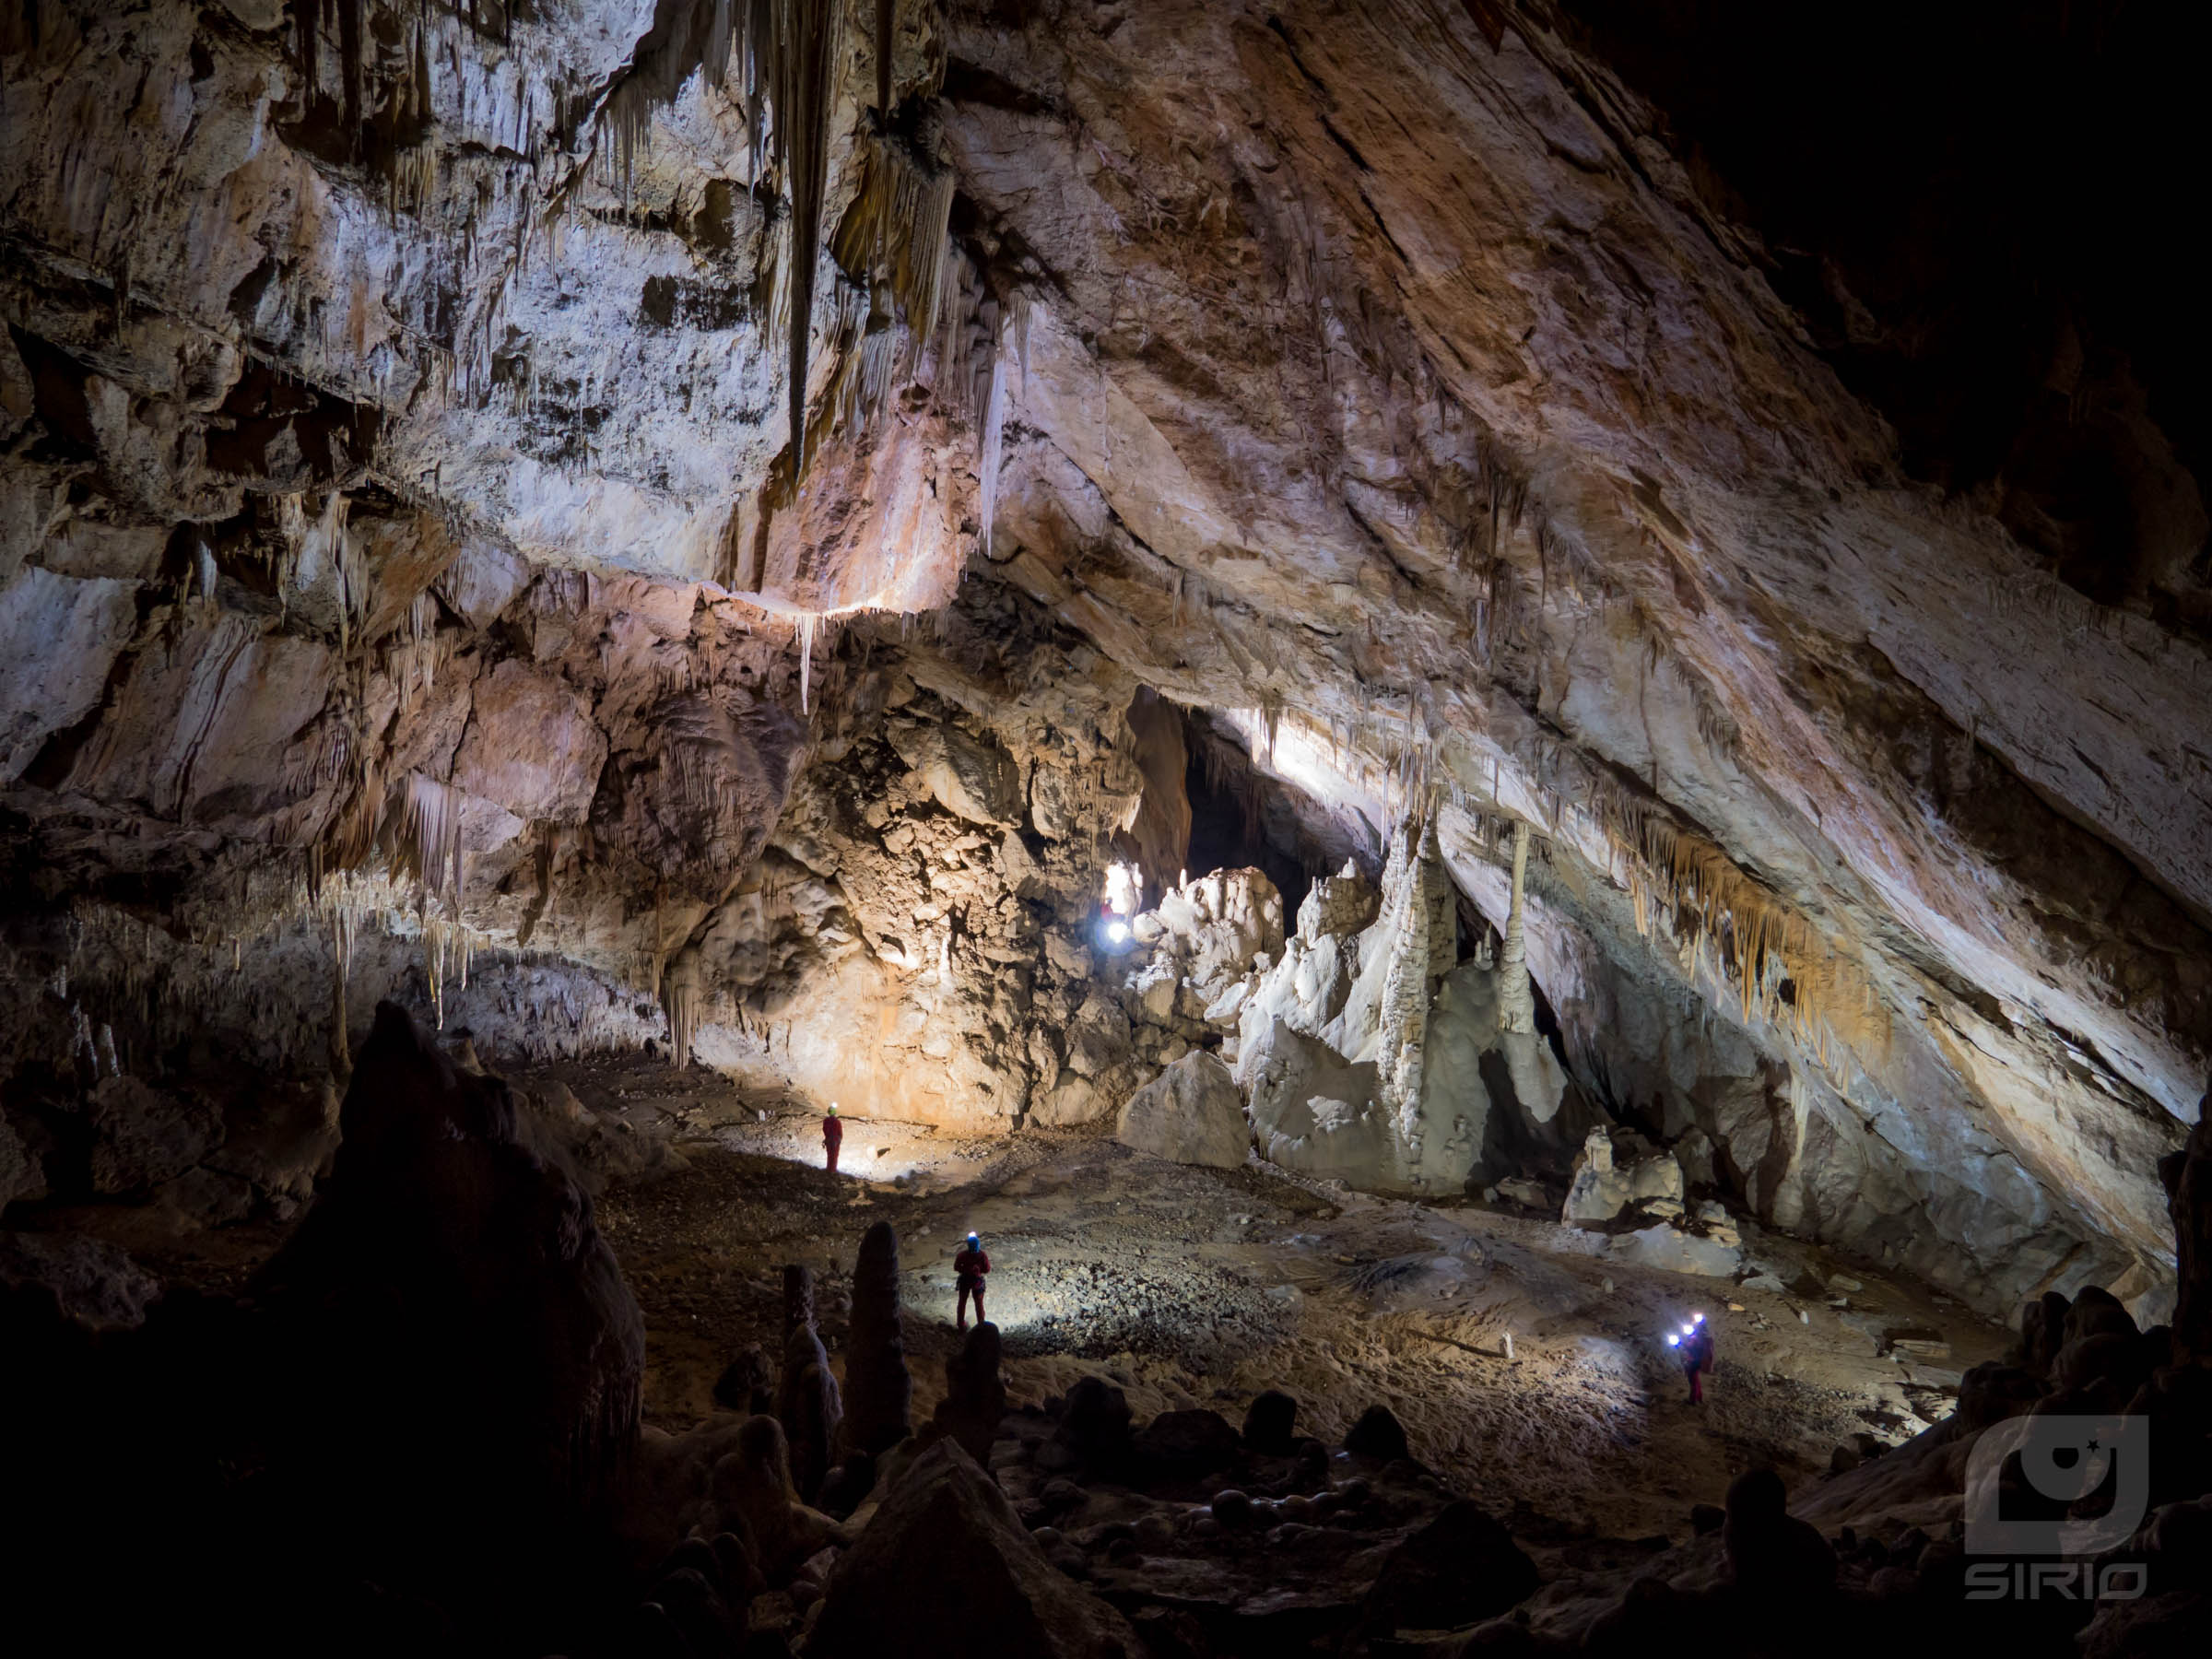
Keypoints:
pixel 1516 1001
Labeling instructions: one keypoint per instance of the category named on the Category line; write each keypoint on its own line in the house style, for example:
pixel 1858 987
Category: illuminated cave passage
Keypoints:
pixel 1623 589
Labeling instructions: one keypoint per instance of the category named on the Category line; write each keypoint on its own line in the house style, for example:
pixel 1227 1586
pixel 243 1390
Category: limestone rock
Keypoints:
pixel 20 1174
pixel 1191 1113
pixel 1269 1422
pixel 95 1281
pixel 973 778
pixel 145 1136
pixel 1664 1246
pixel 946 1571
pixel 1618 1170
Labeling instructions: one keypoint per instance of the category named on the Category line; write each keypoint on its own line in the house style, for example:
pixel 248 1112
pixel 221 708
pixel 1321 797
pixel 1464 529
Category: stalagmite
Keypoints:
pixel 878 1391
pixel 1516 998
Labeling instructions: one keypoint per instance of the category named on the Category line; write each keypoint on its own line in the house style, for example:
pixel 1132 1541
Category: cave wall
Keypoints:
pixel 395 447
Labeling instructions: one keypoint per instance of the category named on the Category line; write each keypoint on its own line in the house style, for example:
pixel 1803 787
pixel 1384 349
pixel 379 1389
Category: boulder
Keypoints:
pixel 1269 1423
pixel 1378 1434
pixel 946 1571
pixel 1192 1443
pixel 971 778
pixel 1462 1567
pixel 1191 1113
pixel 1663 1245
pixel 1096 1422
pixel 1772 1556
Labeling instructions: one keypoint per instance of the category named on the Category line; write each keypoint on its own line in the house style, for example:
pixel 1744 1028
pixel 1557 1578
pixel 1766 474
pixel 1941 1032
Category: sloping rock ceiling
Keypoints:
pixel 405 558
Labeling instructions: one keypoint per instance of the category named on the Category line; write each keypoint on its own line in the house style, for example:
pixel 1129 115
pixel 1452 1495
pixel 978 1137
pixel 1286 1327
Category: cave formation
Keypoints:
pixel 1404 686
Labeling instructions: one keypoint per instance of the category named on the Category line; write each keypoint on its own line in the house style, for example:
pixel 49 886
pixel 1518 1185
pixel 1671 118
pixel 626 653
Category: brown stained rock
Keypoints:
pixel 532 746
pixel 946 1571
pixel 878 1390
pixel 975 1394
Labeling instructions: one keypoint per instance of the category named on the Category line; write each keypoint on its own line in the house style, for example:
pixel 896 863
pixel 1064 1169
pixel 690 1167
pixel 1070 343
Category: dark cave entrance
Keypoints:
pixel 1240 816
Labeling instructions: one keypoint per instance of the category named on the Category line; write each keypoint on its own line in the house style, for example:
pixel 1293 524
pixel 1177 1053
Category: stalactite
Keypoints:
pixel 794 41
pixel 427 836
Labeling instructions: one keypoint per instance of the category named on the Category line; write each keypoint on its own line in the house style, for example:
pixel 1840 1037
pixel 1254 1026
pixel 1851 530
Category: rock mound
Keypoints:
pixel 946 1571
pixel 1191 1113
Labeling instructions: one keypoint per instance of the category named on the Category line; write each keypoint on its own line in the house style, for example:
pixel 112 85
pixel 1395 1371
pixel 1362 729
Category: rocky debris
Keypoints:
pixel 878 1392
pixel 92 1280
pixel 1618 1170
pixel 945 1568
pixel 143 1135
pixel 1191 1113
pixel 1269 1421
pixel 1378 1434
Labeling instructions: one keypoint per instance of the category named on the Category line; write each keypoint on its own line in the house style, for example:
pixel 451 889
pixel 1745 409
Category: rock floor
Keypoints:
pixel 1194 1286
